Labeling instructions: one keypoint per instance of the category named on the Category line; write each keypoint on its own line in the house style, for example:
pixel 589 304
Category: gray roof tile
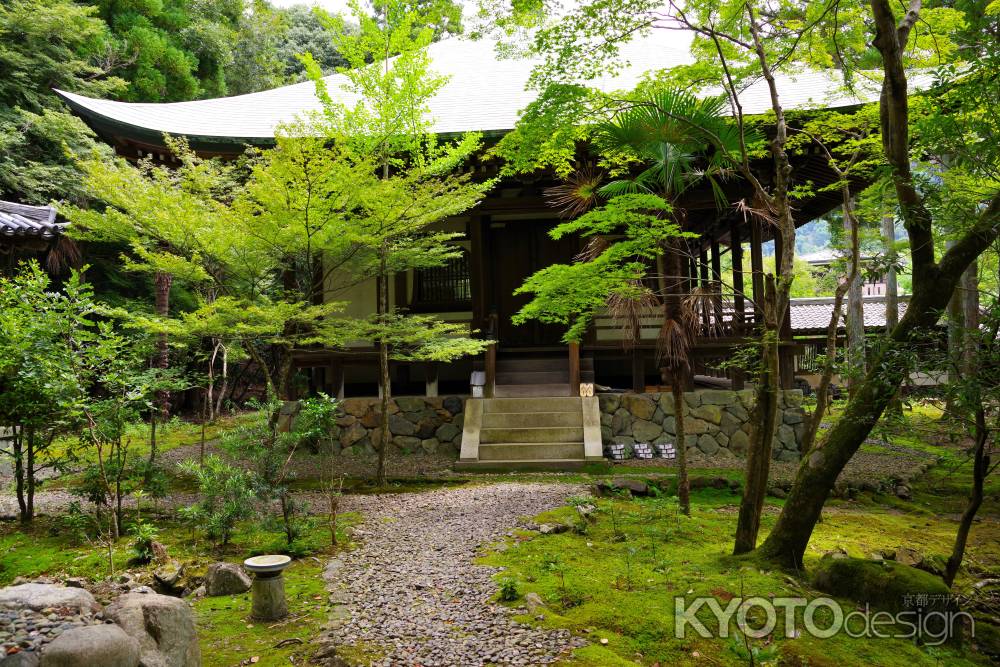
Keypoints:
pixel 484 93
pixel 21 220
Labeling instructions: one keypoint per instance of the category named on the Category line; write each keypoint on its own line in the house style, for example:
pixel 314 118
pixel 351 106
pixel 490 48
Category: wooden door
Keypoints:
pixel 518 250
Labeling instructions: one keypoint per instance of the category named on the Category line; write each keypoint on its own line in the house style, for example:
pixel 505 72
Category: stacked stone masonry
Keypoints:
pixel 717 422
pixel 416 423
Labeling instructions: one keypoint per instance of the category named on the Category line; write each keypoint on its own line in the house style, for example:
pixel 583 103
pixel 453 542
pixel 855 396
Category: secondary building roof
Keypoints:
pixel 33 222
pixel 484 93
pixel 811 315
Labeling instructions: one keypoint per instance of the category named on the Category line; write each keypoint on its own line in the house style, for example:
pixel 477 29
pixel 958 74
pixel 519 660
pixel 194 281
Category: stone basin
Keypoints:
pixel 269 564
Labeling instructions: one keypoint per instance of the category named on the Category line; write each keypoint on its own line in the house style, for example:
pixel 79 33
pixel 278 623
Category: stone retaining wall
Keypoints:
pixel 430 424
pixel 716 421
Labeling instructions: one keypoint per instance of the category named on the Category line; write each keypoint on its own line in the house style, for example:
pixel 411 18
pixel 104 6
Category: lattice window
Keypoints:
pixel 445 284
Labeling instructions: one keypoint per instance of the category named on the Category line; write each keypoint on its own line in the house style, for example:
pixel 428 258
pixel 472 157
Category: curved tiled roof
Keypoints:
pixel 23 221
pixel 813 313
pixel 484 93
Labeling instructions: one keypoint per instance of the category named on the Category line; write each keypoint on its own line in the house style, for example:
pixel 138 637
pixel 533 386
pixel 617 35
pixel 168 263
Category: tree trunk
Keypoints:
pixel 683 483
pixel 765 420
pixel 162 282
pixel 933 283
pixel 29 500
pixel 956 346
pixel 17 449
pixel 891 293
pixel 818 471
pixel 385 381
pixel 823 390
pixel 980 468
pixel 855 307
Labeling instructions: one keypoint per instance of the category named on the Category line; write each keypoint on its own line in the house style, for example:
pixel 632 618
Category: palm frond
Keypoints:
pixel 578 194
pixel 673 344
pixel 628 309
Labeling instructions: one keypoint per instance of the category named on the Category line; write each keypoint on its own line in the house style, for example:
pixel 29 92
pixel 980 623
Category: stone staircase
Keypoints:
pixel 533 433
pixel 538 376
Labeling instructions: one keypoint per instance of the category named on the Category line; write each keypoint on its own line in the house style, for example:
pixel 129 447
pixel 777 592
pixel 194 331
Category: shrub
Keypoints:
pixel 227 497
pixel 508 590
pixel 145 534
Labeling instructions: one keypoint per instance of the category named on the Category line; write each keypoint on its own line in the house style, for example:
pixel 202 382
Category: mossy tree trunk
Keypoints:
pixel 933 284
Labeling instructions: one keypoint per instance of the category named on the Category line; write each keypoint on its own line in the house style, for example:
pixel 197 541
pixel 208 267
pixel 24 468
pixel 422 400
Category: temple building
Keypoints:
pixel 505 237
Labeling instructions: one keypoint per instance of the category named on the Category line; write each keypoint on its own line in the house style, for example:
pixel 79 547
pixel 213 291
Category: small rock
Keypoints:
pixel 226 579
pixel 533 601
pixel 552 528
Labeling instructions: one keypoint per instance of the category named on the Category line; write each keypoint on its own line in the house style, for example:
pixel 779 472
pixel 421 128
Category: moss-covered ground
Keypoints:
pixel 228 636
pixel 614 579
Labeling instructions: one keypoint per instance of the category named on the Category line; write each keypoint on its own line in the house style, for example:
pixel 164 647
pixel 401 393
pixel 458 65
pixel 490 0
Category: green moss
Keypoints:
pixel 622 589
pixel 882 584
pixel 229 636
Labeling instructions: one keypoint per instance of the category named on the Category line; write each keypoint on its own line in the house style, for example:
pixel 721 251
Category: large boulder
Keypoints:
pixel 163 627
pixel 400 425
pixel 92 645
pixel 447 432
pixel 226 579
pixel 43 596
pixel 883 584
pixel 639 405
pixel 645 431
pixel 452 404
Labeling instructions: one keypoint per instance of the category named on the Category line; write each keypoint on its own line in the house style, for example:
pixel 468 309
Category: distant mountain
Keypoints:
pixel 810 237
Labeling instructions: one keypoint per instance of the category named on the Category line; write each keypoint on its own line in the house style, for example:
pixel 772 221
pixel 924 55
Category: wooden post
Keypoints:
pixel 489 388
pixel 716 261
pixel 638 371
pixel 431 378
pixel 757 271
pixel 574 369
pixel 739 304
pixel 335 379
pixel 477 281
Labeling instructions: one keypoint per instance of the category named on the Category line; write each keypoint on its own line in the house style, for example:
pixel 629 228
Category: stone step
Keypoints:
pixel 532 419
pixel 555 403
pixel 532 390
pixel 530 451
pixel 544 434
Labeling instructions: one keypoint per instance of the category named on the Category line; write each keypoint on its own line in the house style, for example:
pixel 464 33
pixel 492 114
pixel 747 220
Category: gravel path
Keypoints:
pixel 411 588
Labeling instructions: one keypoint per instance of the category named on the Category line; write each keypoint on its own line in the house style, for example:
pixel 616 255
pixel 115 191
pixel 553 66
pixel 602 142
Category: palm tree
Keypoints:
pixel 677 140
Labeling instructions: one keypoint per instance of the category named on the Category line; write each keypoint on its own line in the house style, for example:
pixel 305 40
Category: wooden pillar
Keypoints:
pixel 786 353
pixel 736 252
pixel 716 261
pixel 574 369
pixel 738 377
pixel 400 296
pixel 335 379
pixel 431 378
pixel 638 370
pixel 706 317
pixel 477 278
pixel 491 371
pixel 757 271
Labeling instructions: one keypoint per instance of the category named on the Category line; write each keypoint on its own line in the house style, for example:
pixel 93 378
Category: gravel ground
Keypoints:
pixel 411 587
